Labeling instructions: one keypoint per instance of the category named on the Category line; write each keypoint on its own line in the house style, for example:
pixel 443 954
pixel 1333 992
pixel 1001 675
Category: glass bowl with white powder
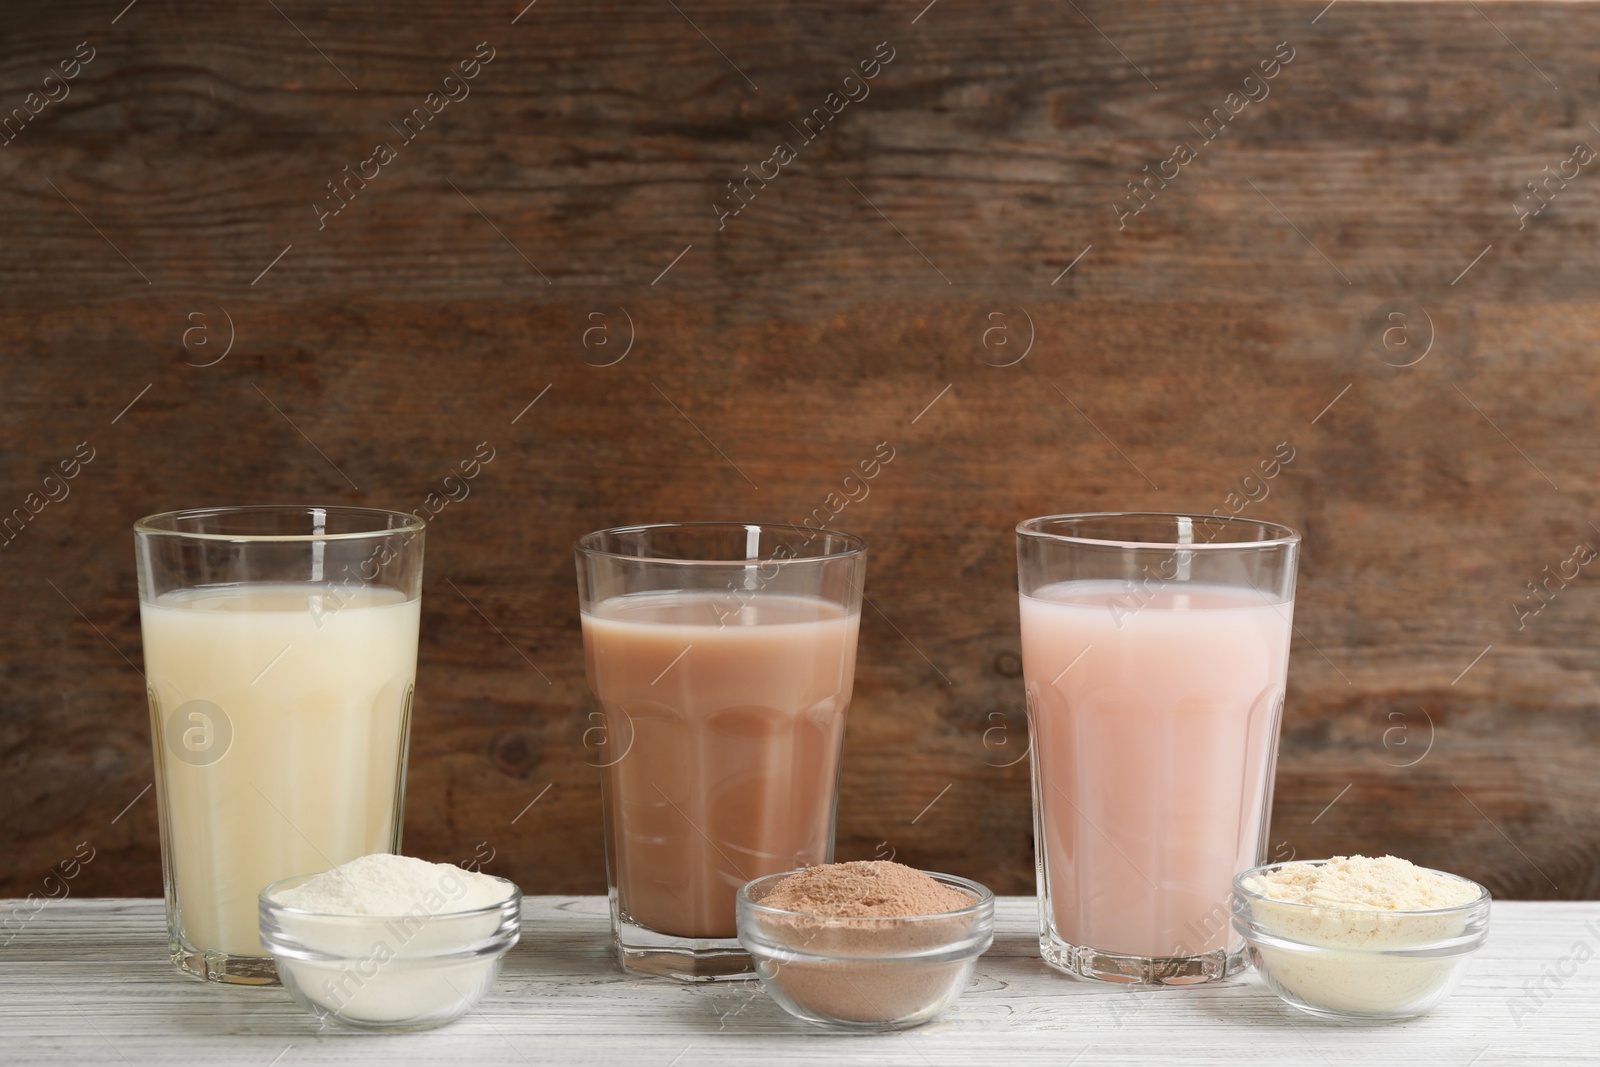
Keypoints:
pixel 1357 938
pixel 390 942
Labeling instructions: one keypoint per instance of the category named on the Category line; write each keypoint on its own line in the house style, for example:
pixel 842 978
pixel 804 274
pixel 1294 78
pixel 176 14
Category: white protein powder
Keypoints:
pixel 1354 908
pixel 388 886
pixel 388 919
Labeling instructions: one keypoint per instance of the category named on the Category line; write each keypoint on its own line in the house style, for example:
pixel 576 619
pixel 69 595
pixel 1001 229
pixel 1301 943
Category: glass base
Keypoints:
pixel 1080 961
pixel 641 950
pixel 222 967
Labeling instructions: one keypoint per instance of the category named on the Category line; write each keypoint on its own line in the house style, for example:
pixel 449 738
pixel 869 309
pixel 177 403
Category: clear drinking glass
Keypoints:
pixel 722 657
pixel 1154 649
pixel 280 650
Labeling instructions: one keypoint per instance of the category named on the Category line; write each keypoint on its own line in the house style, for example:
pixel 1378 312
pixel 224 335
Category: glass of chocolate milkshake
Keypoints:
pixel 721 656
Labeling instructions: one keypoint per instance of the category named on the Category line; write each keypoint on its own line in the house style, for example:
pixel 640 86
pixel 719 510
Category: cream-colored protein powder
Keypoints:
pixel 1342 928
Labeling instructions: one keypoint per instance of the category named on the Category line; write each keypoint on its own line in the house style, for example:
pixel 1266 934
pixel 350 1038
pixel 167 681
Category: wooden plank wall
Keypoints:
pixel 952 265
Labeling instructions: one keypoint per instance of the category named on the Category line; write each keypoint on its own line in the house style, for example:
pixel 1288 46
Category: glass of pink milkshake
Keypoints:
pixel 1155 649
pixel 721 656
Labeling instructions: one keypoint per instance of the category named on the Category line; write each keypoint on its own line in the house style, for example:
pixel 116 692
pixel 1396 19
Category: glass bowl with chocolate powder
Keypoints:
pixel 869 945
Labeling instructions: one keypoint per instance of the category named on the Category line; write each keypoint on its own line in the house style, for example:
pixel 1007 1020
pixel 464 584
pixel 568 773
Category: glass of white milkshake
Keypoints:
pixel 280 648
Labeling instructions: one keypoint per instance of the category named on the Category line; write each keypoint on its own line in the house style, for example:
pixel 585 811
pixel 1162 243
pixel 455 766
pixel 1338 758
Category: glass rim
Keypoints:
pixel 151 525
pixel 1483 899
pixel 1286 535
pixel 855 546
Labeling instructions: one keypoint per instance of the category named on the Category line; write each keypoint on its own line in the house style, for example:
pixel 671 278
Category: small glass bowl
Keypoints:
pixel 1359 965
pixel 407 972
pixel 865 973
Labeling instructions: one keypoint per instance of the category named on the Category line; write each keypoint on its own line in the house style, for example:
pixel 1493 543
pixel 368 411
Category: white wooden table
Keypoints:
pixel 87 981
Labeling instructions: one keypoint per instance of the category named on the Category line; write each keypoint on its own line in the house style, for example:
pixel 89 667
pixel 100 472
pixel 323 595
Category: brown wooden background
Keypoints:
pixel 1170 360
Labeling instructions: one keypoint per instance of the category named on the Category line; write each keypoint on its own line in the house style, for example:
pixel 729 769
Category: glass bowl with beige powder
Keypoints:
pixel 1357 938
pixel 867 945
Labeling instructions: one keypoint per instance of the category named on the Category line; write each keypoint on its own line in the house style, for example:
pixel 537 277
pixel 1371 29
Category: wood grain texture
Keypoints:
pixel 854 291
pixel 87 981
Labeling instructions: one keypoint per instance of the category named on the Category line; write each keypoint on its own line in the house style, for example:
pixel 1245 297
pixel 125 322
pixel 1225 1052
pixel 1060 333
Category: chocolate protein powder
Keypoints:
pixel 868 943
pixel 875 888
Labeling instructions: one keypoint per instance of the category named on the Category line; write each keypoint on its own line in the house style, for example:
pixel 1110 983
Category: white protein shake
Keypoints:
pixel 280 713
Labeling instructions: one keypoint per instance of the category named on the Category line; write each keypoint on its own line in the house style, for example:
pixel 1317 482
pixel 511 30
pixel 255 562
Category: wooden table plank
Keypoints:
pixel 86 981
